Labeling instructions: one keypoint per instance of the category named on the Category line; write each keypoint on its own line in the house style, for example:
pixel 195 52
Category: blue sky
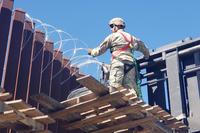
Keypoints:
pixel 156 22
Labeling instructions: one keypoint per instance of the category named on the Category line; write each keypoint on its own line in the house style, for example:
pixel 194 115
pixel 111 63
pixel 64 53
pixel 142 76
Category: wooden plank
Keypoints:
pixel 79 99
pixel 43 131
pixel 15 115
pixel 9 116
pixel 31 112
pixel 86 97
pixel 4 107
pixel 47 102
pixel 162 127
pixel 88 105
pixel 124 125
pixel 93 85
pixel 5 96
pixel 30 122
pixel 176 125
pixel 18 104
pixel 163 115
pixel 45 119
pixel 109 115
pixel 168 120
pixel 17 126
pixel 108 123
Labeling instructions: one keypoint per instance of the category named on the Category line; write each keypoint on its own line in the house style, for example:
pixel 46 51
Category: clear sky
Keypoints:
pixel 156 22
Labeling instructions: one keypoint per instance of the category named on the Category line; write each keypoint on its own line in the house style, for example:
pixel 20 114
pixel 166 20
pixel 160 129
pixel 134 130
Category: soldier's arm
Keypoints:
pixel 106 44
pixel 140 46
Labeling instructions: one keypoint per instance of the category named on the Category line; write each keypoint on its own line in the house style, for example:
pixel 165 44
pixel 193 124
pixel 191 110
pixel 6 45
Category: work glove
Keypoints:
pixel 89 51
pixel 146 57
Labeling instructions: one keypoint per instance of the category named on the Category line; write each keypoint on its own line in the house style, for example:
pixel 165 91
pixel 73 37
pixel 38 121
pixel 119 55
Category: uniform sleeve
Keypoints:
pixel 140 46
pixel 106 44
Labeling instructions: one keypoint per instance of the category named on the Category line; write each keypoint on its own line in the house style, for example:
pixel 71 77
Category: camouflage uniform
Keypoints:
pixel 119 76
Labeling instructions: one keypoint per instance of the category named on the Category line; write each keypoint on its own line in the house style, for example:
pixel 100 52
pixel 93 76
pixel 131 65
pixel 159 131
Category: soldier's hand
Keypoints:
pixel 146 57
pixel 89 51
pixel 146 54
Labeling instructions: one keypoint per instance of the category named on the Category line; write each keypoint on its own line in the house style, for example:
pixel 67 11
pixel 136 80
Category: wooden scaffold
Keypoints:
pixel 99 111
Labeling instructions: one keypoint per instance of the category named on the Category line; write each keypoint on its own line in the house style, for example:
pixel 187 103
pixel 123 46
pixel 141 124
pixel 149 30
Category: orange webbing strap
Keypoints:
pixel 126 47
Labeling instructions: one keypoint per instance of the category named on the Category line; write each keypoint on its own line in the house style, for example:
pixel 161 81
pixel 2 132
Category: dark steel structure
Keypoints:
pixel 173 80
pixel 28 63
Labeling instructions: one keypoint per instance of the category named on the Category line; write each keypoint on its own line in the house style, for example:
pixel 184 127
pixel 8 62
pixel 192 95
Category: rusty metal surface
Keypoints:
pixel 19 15
pixel 36 66
pixel 47 68
pixel 25 61
pixel 13 53
pixel 5 19
pixel 7 4
pixel 56 75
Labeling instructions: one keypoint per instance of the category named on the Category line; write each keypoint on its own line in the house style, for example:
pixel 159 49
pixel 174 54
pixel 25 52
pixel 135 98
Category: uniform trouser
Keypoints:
pixel 119 78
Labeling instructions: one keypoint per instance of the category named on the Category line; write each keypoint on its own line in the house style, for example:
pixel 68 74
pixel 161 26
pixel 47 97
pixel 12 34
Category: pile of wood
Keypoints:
pixel 102 112
pixel 21 117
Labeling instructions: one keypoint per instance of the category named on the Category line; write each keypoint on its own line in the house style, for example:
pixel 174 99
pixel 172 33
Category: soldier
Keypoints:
pixel 121 45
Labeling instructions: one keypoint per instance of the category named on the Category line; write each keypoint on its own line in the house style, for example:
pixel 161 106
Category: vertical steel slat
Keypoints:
pixel 47 68
pixel 5 19
pixel 13 52
pixel 175 85
pixel 193 89
pixel 74 73
pixel 6 7
pixel 65 84
pixel 55 83
pixel 25 60
pixel 197 63
pixel 56 75
pixel 36 66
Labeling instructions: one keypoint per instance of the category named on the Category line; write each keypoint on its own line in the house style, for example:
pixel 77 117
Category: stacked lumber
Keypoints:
pixel 102 112
pixel 21 117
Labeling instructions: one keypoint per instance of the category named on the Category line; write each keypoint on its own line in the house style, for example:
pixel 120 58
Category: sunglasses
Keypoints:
pixel 112 25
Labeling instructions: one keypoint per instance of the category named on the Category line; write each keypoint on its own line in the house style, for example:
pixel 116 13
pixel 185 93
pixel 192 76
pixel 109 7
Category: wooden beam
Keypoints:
pixel 44 131
pixel 124 125
pixel 87 105
pixel 93 85
pixel 30 122
pixel 79 99
pixel 47 102
pixel 18 104
pixel 17 126
pixel 5 96
pixel 4 107
pixel 15 115
pixel 9 116
pixel 161 114
pixel 109 115
pixel 45 119
pixel 31 112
